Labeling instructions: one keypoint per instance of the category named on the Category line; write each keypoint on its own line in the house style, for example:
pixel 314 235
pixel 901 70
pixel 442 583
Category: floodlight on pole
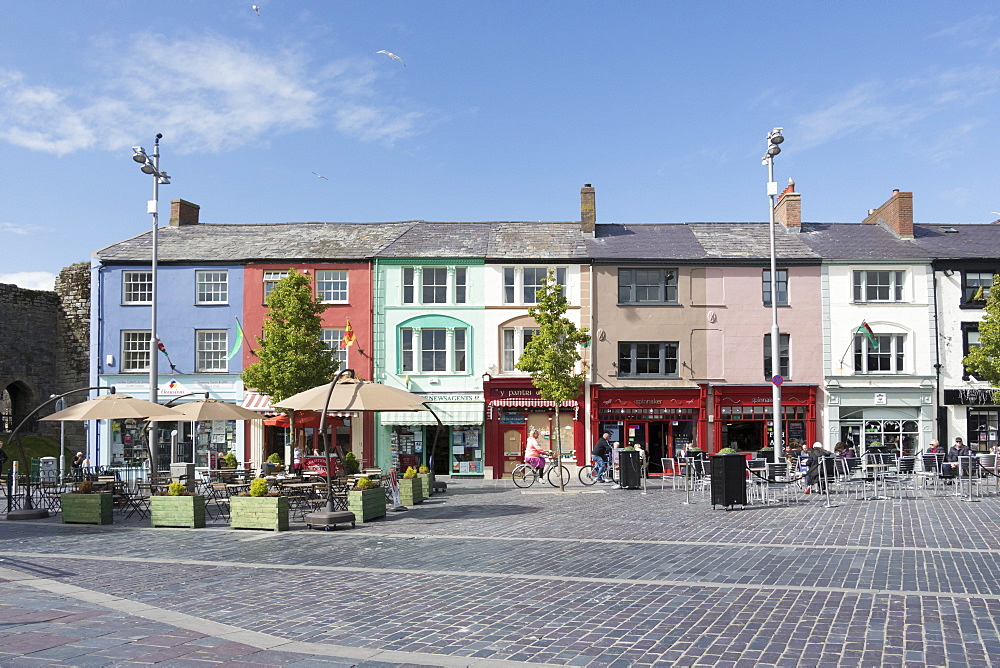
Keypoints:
pixel 774 138
pixel 151 166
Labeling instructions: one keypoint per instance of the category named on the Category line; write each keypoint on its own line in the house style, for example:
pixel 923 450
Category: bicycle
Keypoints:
pixel 525 475
pixel 588 477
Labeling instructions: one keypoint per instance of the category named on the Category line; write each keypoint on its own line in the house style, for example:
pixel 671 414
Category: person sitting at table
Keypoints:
pixel 814 462
pixel 951 460
pixel 935 448
pixel 844 451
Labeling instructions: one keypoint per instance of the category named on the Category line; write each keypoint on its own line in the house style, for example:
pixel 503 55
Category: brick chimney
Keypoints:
pixel 183 212
pixel 588 210
pixel 896 215
pixel 788 210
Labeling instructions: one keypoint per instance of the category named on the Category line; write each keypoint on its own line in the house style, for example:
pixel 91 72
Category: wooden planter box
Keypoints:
pixel 258 512
pixel 411 491
pixel 177 511
pixel 87 508
pixel 428 482
pixel 366 504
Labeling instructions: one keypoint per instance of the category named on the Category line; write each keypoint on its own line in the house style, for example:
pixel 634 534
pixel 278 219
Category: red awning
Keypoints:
pixel 533 403
pixel 303 420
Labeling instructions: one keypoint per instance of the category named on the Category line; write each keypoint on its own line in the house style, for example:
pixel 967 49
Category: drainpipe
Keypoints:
pixel 941 437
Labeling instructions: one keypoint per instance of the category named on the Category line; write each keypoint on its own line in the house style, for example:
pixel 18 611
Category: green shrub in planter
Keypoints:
pixel 351 463
pixel 367 503
pixel 258 487
pixel 229 459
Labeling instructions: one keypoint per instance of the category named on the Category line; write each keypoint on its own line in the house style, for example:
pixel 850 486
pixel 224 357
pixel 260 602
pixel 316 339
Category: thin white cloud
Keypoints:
pixel 32 280
pixel 206 93
pixel 11 228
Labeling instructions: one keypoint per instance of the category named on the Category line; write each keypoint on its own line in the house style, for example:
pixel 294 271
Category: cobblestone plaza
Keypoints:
pixel 488 575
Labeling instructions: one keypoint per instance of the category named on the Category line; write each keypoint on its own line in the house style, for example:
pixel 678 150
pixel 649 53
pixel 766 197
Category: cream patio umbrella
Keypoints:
pixel 355 395
pixel 113 407
pixel 213 409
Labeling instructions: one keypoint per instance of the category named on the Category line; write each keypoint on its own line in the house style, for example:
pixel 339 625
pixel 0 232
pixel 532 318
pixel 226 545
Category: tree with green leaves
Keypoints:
pixel 552 354
pixel 983 361
pixel 292 356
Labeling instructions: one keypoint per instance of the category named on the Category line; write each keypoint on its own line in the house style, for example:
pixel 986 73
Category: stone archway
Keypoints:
pixel 16 401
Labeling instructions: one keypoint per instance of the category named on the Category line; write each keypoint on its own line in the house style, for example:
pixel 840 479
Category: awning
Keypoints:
pixel 534 403
pixel 261 403
pixel 450 412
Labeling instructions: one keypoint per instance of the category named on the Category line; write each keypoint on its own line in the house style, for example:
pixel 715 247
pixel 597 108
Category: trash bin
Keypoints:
pixel 729 480
pixel 630 469
pixel 48 469
pixel 179 469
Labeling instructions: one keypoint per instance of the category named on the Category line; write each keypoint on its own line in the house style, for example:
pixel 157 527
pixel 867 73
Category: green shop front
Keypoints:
pixel 455 446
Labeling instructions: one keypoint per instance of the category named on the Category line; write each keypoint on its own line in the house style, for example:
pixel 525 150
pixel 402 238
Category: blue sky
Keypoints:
pixel 502 112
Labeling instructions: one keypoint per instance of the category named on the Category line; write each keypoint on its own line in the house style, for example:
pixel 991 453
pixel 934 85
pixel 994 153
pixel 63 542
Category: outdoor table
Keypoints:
pixel 877 469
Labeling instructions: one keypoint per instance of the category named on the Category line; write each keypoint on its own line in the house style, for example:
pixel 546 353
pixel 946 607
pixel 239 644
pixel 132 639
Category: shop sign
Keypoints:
pixel 510 393
pixel 513 418
pixel 464 396
pixel 881 399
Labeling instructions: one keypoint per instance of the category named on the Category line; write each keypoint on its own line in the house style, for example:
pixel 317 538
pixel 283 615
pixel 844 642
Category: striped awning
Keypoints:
pixel 450 412
pixel 256 401
pixel 534 403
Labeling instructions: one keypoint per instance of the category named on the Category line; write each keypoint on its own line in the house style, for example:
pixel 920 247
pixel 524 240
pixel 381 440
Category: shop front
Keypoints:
pixel 452 447
pixel 664 420
pixel 976 408
pixel 743 416
pixel 513 409
pixel 900 419
pixel 280 434
pixel 125 442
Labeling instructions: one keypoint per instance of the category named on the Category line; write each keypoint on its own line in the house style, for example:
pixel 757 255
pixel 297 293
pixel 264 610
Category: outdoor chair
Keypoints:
pixel 931 470
pixel 777 484
pixel 757 480
pixel 218 498
pixel 903 479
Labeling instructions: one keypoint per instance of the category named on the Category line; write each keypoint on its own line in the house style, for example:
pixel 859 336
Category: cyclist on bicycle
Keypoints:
pixel 534 455
pixel 600 455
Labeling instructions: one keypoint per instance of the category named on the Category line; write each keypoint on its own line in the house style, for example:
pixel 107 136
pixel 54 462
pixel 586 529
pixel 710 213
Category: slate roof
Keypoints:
pixel 238 243
pixel 547 241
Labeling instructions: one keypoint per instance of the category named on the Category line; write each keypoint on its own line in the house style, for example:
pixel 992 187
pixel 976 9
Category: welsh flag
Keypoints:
pixel 239 341
pixel 348 339
pixel 869 334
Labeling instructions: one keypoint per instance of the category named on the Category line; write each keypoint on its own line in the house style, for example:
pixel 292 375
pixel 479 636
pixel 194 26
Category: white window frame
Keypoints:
pixel 332 337
pixel 134 356
pixel 514 340
pixel 137 278
pixel 455 352
pixel 271 278
pixel 211 348
pixel 516 292
pixel 415 290
pixel 890 346
pixel 666 284
pixel 862 285
pixel 336 290
pixel 212 286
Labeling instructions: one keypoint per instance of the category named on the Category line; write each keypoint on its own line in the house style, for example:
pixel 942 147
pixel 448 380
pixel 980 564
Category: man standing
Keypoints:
pixel 601 454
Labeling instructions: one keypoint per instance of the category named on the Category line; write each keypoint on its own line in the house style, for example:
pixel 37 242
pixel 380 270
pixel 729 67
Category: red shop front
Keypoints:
pixel 664 420
pixel 743 416
pixel 513 409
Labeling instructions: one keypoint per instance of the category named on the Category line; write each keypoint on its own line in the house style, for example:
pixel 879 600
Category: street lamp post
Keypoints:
pixel 774 138
pixel 151 165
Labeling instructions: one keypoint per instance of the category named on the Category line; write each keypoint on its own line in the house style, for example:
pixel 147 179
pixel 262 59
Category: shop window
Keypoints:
pixel 983 429
pixel 515 340
pixel 894 435
pixel 647 360
pixel 137 287
pixel 878 286
pixel 331 286
pixel 784 341
pixel 333 337
pixel 135 351
pixel 524 282
pixel 212 345
pixel 976 287
pixel 647 286
pixel 884 355
pixel 780 286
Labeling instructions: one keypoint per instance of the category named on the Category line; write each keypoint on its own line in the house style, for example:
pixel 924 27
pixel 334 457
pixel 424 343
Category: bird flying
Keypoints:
pixel 320 176
pixel 392 55
pixel 256 9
